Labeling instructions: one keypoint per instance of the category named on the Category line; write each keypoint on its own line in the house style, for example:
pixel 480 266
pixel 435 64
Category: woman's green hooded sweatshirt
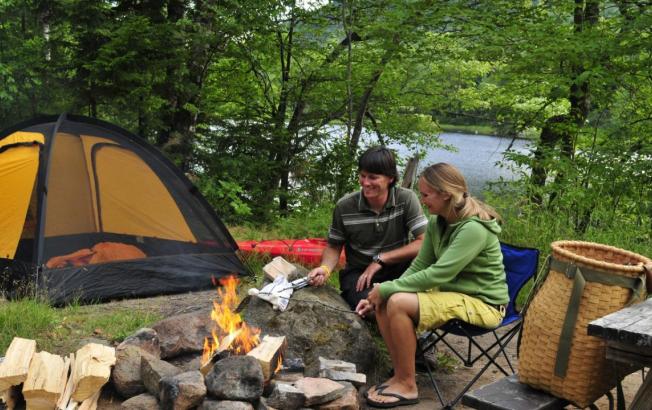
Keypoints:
pixel 462 257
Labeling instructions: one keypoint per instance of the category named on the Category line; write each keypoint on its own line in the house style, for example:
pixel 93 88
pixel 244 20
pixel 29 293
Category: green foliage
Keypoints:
pixel 225 195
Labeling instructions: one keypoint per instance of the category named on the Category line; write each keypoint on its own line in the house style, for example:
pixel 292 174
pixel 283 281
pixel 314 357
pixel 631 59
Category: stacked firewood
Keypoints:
pixel 49 381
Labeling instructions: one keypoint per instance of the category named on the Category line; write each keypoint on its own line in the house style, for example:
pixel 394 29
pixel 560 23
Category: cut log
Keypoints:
pixel 14 367
pixel 44 383
pixel 278 266
pixel 269 354
pixel 92 370
pixel 91 402
pixel 64 399
pixel 220 352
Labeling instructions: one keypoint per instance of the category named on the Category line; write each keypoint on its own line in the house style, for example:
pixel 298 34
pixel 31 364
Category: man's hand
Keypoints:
pixel 318 276
pixel 364 281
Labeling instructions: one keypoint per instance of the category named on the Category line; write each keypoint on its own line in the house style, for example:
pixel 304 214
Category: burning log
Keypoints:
pixel 14 368
pixel 92 370
pixel 269 354
pixel 221 352
pixel 44 385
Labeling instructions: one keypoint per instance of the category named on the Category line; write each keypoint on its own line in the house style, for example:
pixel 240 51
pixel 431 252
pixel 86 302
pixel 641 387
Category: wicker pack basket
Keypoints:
pixel 585 281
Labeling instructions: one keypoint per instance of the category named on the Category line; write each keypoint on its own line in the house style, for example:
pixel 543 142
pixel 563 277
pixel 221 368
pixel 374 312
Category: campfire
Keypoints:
pixel 232 336
pixel 231 333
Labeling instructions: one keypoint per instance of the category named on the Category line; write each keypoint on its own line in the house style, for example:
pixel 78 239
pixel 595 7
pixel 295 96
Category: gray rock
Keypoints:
pixel 225 405
pixel 187 362
pixel 183 391
pixel 143 401
pixel 317 323
pixel 263 405
pixel 146 339
pixel 126 375
pixel 286 396
pixel 153 370
pixel 238 378
pixel 358 379
pixel 338 365
pixel 184 333
pixel 348 401
pixel 319 390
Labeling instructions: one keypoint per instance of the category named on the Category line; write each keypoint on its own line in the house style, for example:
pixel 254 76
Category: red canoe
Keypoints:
pixel 304 251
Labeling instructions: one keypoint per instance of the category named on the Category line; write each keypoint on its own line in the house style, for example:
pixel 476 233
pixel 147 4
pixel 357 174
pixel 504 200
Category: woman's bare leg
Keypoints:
pixel 396 323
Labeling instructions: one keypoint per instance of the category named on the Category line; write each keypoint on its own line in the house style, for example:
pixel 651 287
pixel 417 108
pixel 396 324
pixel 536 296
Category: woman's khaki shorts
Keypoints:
pixel 437 308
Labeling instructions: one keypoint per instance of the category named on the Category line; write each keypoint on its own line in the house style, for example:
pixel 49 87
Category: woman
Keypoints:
pixel 458 274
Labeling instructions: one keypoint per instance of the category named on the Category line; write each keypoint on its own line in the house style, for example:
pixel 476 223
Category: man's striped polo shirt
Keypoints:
pixel 366 233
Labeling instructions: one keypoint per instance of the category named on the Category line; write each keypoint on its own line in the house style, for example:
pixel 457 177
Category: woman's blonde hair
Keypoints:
pixel 444 177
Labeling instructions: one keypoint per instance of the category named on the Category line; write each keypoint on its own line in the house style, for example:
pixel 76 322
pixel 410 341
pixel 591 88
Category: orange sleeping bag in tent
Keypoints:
pixel 101 252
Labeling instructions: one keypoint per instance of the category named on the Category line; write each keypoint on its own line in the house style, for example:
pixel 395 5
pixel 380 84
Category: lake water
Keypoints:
pixel 476 156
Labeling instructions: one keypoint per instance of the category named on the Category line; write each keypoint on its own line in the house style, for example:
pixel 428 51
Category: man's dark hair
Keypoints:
pixel 379 160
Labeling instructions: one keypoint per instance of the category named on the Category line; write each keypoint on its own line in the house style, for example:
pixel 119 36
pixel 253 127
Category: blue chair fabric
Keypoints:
pixel 521 265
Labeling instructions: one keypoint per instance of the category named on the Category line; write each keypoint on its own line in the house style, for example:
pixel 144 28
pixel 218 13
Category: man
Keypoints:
pixel 374 226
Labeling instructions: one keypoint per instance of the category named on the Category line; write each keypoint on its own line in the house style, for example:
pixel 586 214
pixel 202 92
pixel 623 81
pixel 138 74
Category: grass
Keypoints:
pixel 59 330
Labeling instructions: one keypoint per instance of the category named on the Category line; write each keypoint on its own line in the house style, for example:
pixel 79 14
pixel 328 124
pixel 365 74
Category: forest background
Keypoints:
pixel 263 102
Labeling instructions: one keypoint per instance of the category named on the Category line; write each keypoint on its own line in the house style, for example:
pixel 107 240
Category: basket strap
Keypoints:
pixel 580 276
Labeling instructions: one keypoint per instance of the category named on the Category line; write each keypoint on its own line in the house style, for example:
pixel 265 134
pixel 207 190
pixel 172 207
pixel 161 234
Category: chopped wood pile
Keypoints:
pixel 50 381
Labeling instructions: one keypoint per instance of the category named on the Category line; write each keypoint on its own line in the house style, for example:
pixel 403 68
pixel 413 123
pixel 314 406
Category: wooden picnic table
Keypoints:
pixel 628 333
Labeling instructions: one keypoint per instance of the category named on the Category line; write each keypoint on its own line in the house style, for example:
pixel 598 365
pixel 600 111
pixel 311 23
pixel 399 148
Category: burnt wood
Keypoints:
pixel 510 394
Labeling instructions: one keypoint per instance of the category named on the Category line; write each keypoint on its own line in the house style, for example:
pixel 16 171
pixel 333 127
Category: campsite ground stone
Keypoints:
pixel 348 401
pixel 153 370
pixel 358 379
pixel 183 391
pixel 146 339
pixel 337 365
pixel 184 333
pixel 319 390
pixel 143 401
pixel 225 405
pixel 286 396
pixel 126 376
pixel 187 362
pixel 237 378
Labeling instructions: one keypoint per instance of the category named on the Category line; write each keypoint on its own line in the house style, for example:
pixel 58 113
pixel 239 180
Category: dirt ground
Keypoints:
pixel 449 382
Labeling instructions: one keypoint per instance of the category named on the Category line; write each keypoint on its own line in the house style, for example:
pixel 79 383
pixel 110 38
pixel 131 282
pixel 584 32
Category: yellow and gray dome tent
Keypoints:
pixel 92 212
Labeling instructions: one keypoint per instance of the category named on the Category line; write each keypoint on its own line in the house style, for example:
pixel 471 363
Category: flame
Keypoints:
pixel 230 331
pixel 279 365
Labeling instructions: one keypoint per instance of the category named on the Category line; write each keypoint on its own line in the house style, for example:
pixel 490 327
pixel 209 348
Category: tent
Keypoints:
pixel 92 212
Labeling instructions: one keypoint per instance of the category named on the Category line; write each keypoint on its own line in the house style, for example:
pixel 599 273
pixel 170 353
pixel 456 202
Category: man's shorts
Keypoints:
pixel 437 308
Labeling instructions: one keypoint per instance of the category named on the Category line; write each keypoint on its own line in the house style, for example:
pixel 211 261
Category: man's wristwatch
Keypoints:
pixel 379 261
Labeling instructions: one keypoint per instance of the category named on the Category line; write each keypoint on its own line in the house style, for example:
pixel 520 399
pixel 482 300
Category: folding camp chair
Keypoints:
pixel 520 265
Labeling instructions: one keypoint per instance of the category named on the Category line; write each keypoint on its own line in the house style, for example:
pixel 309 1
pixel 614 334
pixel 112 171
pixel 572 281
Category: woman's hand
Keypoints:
pixel 374 296
pixel 364 281
pixel 318 276
pixel 364 308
